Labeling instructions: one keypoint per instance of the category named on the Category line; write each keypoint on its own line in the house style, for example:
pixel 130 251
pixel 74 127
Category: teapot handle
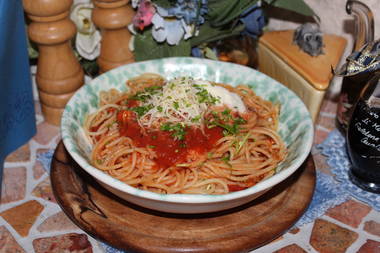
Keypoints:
pixel 364 23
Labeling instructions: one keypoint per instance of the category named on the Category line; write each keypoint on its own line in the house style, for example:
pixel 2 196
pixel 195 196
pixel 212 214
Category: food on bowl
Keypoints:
pixel 294 126
pixel 185 135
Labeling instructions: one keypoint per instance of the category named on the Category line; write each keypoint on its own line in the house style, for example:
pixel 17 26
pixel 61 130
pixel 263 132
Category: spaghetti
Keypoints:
pixel 185 136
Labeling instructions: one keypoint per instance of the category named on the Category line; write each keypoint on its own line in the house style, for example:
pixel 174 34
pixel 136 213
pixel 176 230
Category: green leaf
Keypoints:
pixel 208 53
pixel 298 6
pixel 32 50
pixel 164 3
pixel 91 68
pixel 208 33
pixel 222 12
pixel 146 48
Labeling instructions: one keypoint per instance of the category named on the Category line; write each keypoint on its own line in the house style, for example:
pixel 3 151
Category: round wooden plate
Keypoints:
pixel 126 226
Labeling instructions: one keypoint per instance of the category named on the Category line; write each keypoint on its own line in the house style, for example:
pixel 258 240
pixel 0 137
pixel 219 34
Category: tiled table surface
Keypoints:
pixel 32 221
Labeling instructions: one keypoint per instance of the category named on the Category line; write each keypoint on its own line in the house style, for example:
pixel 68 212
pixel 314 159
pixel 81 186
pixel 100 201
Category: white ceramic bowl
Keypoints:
pixel 296 129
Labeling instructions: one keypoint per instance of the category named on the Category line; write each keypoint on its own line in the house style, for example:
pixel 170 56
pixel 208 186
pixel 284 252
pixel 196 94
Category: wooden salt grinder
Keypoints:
pixel 59 73
pixel 113 17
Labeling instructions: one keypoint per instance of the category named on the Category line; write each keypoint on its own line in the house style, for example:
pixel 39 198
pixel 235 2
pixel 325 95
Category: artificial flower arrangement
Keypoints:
pixel 164 28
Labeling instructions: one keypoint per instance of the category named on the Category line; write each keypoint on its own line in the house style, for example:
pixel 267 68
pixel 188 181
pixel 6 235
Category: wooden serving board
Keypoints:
pixel 126 226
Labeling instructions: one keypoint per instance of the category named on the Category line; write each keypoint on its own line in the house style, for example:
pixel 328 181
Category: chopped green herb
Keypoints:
pixel 241 143
pixel 175 105
pixel 111 124
pixel 225 116
pixel 165 127
pixel 153 89
pixel 204 96
pixel 196 118
pixel 226 158
pixel 226 112
pixel 140 97
pixel 227 129
pixel 141 110
pixel 239 121
pixel 146 94
pixel 178 130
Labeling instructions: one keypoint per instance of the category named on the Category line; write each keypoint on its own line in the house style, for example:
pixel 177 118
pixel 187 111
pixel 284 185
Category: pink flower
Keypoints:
pixel 144 14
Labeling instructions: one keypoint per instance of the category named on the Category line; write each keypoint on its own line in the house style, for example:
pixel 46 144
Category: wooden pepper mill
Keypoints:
pixel 113 17
pixel 59 73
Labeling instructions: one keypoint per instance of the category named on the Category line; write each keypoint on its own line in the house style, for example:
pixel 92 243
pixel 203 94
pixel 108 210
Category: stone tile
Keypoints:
pixel 292 248
pixel 42 152
pixel 320 135
pixel 320 162
pixel 14 183
pixel 45 133
pixel 37 108
pixel 22 154
pixel 38 170
pixel 22 217
pixel 8 243
pixel 44 190
pixel 370 247
pixel 326 122
pixel 328 237
pixel 57 222
pixel 328 106
pixel 67 243
pixel 350 212
pixel 372 227
pixel 294 231
pixel 277 239
pixel 58 140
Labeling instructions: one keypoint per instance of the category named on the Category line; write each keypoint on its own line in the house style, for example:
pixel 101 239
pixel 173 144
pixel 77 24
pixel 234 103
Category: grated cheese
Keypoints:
pixel 185 100
pixel 227 98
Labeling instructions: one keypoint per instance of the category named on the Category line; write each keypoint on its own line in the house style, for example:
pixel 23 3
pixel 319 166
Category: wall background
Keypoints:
pixel 333 20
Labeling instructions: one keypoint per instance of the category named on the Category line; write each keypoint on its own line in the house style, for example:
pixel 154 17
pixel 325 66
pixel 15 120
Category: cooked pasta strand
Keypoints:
pixel 235 162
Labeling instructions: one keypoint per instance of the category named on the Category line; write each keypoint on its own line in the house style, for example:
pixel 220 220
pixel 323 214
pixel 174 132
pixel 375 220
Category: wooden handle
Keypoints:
pixel 59 73
pixel 113 17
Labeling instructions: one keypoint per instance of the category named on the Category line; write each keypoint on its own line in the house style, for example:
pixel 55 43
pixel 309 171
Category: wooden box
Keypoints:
pixel 309 77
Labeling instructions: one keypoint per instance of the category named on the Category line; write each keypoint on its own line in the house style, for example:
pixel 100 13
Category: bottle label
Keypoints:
pixel 368 127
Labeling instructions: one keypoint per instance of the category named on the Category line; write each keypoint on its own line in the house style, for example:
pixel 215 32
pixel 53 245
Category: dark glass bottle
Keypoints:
pixel 352 85
pixel 363 138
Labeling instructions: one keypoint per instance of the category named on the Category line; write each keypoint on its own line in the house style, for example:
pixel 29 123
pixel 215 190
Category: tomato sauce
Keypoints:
pixel 235 188
pixel 169 150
